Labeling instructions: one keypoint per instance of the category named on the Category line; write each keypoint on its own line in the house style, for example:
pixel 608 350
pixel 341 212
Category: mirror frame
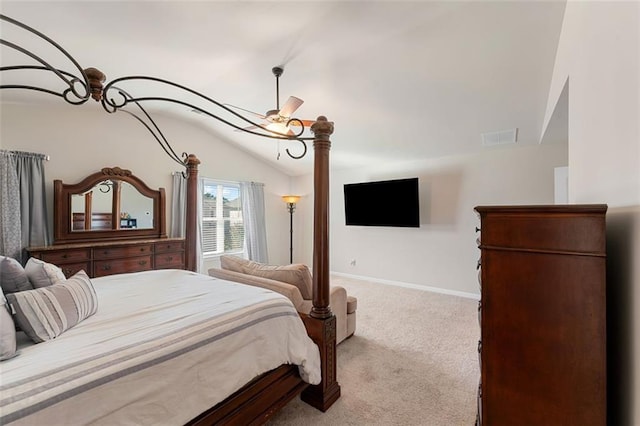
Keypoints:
pixel 62 211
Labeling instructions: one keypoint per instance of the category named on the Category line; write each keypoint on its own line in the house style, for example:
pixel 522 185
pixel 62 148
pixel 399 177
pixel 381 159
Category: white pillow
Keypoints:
pixel 43 274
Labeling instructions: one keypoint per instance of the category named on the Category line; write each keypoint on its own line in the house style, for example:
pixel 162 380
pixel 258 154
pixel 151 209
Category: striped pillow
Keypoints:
pixel 45 313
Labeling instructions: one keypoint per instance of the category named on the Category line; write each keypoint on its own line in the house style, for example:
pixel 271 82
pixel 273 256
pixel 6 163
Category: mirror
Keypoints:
pixel 92 210
pixel 109 204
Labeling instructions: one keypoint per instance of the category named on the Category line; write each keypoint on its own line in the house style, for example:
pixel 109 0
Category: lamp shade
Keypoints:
pixel 292 199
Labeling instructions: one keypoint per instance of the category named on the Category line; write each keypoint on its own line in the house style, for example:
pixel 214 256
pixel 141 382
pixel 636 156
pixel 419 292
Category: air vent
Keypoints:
pixel 502 137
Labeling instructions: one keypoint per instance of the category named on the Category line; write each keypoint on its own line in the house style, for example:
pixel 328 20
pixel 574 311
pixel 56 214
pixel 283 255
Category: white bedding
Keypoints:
pixel 163 347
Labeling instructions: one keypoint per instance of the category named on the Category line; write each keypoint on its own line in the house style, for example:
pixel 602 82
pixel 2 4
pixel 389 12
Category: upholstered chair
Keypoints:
pixel 293 281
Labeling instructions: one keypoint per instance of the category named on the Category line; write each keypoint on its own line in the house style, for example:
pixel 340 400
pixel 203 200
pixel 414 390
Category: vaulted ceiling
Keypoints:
pixel 401 80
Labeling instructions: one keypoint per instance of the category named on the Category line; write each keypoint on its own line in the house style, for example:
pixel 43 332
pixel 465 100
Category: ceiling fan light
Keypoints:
pixel 278 128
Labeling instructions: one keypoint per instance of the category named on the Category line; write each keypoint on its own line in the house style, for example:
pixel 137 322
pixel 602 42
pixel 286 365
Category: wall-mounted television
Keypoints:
pixel 383 203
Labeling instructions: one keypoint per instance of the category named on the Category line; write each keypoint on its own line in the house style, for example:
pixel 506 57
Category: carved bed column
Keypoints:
pixel 321 323
pixel 191 231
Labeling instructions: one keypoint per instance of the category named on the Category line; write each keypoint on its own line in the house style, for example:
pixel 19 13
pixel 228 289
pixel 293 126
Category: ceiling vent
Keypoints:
pixel 502 137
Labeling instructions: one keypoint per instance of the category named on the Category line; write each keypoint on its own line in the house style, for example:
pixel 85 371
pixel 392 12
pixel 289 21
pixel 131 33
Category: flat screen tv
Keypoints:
pixel 383 203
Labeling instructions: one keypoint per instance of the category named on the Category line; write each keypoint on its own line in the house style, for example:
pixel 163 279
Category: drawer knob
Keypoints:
pixel 142 262
pixel 141 248
pixel 106 267
pixel 170 258
pixel 64 256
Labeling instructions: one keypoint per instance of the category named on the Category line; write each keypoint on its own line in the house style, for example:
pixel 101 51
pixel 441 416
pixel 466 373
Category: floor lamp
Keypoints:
pixel 291 201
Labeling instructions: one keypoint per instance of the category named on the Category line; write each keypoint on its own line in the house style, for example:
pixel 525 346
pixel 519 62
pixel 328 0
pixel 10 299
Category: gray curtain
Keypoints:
pixel 178 205
pixel 253 215
pixel 199 257
pixel 179 214
pixel 23 218
pixel 10 231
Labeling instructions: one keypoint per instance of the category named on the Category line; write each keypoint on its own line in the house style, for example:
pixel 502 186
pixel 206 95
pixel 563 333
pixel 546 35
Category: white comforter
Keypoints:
pixel 163 347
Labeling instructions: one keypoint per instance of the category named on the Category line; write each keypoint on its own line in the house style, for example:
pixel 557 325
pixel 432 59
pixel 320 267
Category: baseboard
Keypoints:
pixel 410 285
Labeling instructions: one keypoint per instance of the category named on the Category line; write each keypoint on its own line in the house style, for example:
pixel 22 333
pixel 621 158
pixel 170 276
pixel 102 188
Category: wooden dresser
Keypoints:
pixel 542 315
pixel 115 257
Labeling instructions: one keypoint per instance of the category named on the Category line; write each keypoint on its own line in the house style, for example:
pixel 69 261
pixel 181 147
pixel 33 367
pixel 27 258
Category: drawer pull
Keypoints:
pixel 105 252
pixel 142 262
pixel 64 256
pixel 106 267
pixel 141 248
pixel 170 258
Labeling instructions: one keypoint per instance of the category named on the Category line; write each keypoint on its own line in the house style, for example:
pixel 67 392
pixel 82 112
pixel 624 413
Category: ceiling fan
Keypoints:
pixel 277 120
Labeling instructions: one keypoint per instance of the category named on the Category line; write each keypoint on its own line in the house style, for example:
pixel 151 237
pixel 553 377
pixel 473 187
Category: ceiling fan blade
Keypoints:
pixel 246 110
pixel 305 123
pixel 290 106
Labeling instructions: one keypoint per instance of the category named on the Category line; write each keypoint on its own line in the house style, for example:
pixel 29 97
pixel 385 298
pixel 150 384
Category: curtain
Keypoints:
pixel 253 215
pixel 23 202
pixel 199 257
pixel 178 205
pixel 179 214
pixel 10 230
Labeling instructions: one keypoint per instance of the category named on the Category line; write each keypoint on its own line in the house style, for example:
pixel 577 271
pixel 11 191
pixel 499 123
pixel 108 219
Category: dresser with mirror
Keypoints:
pixel 111 222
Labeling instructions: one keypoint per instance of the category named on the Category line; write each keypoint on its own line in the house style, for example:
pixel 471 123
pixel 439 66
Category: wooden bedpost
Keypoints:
pixel 190 252
pixel 321 323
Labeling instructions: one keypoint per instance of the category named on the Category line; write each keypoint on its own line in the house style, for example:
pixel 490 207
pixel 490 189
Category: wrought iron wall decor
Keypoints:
pixel 82 84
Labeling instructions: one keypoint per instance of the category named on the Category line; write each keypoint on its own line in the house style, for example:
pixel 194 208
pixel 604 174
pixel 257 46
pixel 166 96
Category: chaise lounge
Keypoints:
pixel 293 281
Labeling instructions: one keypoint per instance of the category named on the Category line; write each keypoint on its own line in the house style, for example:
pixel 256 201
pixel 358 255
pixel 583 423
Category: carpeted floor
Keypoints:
pixel 412 361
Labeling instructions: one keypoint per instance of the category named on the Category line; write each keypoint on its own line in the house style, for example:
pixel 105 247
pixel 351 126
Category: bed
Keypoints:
pixel 254 396
pixel 132 364
pixel 156 337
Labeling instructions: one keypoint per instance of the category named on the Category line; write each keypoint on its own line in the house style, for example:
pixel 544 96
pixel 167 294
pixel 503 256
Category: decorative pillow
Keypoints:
pixel 43 274
pixel 13 278
pixel 45 313
pixel 296 274
pixel 7 331
pixel 233 263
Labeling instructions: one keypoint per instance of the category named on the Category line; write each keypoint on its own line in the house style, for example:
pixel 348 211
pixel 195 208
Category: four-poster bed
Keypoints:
pixel 262 397
pixel 258 400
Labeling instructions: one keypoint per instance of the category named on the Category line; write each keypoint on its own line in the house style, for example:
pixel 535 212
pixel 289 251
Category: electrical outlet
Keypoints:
pixel 353 262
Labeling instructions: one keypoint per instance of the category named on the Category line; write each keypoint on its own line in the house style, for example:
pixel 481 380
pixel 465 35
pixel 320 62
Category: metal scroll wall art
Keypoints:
pixel 79 85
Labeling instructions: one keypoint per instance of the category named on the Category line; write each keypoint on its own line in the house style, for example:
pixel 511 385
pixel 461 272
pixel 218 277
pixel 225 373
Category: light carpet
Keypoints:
pixel 412 361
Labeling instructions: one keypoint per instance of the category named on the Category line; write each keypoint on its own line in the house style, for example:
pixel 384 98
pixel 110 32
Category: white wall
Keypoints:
pixel 81 140
pixel 441 253
pixel 599 53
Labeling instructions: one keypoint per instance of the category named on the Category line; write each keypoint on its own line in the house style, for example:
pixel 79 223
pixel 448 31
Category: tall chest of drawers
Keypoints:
pixel 115 257
pixel 542 315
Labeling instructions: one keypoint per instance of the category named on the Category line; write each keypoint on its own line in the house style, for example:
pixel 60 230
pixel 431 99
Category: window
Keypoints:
pixel 222 225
